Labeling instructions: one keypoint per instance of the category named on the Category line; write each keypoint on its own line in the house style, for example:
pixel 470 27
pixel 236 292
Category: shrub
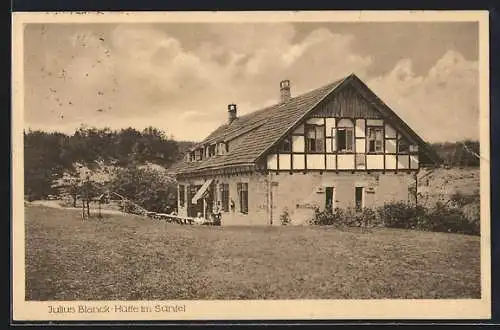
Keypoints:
pixel 401 215
pixel 345 217
pixel 326 217
pixel 285 218
pixel 443 218
pixel 461 199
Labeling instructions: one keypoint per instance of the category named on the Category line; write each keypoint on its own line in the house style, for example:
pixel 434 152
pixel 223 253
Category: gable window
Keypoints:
pixel 286 145
pixel 243 197
pixel 375 139
pixel 182 197
pixel 345 139
pixel 403 146
pixel 358 195
pixel 224 187
pixel 315 138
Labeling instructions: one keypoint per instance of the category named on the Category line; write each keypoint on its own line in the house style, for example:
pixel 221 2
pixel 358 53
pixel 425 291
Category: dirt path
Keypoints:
pixel 55 204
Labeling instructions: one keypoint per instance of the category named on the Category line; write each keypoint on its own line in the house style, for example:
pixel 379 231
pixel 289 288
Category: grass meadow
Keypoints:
pixel 126 257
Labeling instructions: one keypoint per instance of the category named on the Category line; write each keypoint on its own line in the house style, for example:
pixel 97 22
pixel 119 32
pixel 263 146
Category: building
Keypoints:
pixel 338 145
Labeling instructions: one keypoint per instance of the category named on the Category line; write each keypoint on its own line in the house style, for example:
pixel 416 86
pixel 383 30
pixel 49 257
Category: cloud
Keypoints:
pixel 140 75
pixel 442 105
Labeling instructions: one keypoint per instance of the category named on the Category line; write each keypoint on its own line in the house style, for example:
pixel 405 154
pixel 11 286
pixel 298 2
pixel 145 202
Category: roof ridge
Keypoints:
pixel 251 114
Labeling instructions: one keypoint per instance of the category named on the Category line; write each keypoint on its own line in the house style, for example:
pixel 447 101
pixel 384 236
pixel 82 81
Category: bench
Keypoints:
pixel 172 218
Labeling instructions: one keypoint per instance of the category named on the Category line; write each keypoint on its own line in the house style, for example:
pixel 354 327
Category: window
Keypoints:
pixel 224 187
pixel 221 148
pixel 243 196
pixel 286 145
pixel 182 197
pixel 403 146
pixel 315 138
pixel 211 150
pixel 345 139
pixel 329 198
pixel 198 154
pixel 375 139
pixel 359 198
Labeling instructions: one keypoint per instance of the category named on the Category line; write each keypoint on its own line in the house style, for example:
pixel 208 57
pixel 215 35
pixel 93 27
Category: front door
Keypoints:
pixel 329 198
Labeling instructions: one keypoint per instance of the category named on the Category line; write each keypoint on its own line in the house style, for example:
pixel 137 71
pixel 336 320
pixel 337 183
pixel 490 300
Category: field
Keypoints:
pixel 124 257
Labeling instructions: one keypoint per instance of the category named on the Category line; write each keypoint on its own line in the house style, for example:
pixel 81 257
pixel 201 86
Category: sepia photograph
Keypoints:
pixel 251 165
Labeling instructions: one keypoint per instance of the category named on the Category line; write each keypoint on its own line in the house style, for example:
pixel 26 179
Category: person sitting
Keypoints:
pixel 199 220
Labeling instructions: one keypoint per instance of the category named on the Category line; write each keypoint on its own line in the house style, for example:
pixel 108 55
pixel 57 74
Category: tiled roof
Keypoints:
pixel 266 126
pixel 260 130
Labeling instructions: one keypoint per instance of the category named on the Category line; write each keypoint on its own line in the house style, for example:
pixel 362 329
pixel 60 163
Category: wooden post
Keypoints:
pixel 204 208
pixel 83 208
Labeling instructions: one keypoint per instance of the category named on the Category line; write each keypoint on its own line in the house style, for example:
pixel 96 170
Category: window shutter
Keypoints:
pixel 334 140
pixel 349 138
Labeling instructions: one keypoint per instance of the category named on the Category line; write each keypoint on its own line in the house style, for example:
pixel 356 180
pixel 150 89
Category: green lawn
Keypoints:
pixel 133 258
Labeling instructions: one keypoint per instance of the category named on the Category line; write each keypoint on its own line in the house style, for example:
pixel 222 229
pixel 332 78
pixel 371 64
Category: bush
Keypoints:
pixel 440 218
pixel 461 199
pixel 345 217
pixel 326 217
pixel 285 218
pixel 401 215
pixel 443 218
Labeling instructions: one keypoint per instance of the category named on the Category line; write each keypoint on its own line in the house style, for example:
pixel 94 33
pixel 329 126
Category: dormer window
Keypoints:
pixel 221 148
pixel 198 154
pixel 211 150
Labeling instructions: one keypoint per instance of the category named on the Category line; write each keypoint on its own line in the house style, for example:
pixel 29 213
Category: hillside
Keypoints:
pixel 443 183
pixel 50 158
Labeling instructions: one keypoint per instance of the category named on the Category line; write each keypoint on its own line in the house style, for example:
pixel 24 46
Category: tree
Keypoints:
pixel 47 156
pixel 150 188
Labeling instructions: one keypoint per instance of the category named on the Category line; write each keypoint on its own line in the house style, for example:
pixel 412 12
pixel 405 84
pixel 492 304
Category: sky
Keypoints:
pixel 180 77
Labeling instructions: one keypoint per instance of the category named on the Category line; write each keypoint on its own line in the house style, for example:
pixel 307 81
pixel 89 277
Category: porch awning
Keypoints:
pixel 201 191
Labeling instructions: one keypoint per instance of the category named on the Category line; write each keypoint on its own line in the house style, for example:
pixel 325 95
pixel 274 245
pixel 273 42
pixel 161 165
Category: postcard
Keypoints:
pixel 310 165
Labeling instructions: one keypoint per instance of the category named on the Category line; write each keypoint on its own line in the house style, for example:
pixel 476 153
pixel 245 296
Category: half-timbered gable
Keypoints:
pixel 345 132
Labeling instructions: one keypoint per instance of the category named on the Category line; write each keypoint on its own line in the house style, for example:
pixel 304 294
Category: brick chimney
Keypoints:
pixel 231 109
pixel 285 90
